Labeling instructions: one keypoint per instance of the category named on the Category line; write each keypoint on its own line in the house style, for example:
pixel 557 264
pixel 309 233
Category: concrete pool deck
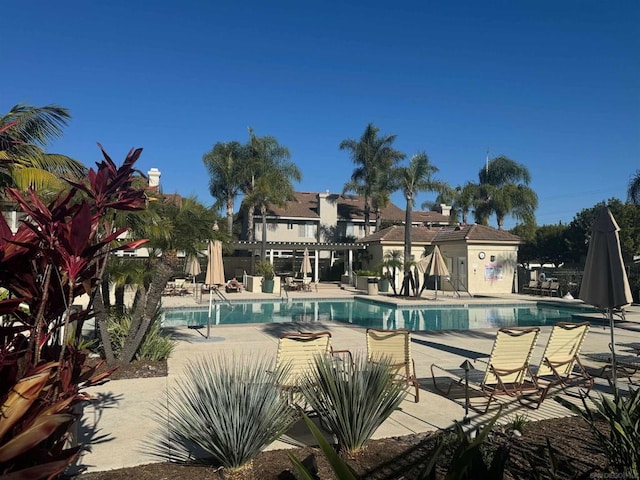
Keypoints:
pixel 118 422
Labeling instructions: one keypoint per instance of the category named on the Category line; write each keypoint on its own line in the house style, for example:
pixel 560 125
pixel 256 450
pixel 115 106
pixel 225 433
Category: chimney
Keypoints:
pixel 327 210
pixel 445 209
pixel 154 177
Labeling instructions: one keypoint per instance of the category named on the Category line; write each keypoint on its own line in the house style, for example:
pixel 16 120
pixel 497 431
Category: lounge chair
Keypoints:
pixel 626 365
pixel 560 363
pixel 290 284
pixel 532 287
pixel 507 371
pixel 233 286
pixel 543 287
pixel 297 352
pixel 395 347
pixel 553 288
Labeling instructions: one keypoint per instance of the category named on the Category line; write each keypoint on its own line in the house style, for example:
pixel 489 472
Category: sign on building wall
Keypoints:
pixel 493 272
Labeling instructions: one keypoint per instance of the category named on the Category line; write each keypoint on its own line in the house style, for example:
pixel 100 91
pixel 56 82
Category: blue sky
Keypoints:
pixel 554 85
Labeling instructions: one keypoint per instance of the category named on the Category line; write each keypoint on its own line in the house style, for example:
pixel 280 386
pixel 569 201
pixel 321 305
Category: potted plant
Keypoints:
pixel 391 261
pixel 264 268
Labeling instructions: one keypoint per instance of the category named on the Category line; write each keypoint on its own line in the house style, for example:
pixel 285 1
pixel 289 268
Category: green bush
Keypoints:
pixel 620 443
pixel 352 401
pixel 223 412
pixel 155 346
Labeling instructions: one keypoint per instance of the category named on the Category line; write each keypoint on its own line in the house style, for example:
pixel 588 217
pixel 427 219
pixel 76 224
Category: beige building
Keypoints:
pixel 481 260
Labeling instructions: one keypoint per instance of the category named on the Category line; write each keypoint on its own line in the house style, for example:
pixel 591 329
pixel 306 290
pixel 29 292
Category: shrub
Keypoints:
pixel 156 344
pixel 352 401
pixel 223 412
pixel 264 268
pixel 622 413
pixel 57 254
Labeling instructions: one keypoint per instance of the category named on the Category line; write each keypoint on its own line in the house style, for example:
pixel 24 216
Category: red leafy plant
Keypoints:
pixel 57 254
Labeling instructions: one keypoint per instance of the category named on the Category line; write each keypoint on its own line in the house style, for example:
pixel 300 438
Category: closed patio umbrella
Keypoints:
pixel 192 268
pixel 214 276
pixel 437 266
pixel 215 267
pixel 605 284
pixel 305 268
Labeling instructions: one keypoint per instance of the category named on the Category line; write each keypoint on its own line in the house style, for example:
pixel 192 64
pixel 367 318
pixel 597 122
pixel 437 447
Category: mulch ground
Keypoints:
pixel 399 457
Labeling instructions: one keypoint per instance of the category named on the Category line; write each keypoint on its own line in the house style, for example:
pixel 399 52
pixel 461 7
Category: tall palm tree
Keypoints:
pixel 374 158
pixel 416 177
pixel 266 158
pixel 24 133
pixel 633 190
pixel 226 163
pixel 504 190
pixel 270 188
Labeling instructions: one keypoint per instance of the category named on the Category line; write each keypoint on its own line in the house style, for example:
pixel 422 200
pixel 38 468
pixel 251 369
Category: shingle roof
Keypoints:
pixel 305 205
pixel 350 207
pixel 395 233
pixel 473 233
pixel 477 233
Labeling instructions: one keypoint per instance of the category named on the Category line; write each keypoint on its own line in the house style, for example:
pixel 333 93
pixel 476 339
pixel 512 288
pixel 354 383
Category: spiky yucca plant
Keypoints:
pixel 223 412
pixel 352 401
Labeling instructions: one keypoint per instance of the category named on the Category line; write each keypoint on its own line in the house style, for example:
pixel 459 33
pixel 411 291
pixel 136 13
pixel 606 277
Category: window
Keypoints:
pixel 290 226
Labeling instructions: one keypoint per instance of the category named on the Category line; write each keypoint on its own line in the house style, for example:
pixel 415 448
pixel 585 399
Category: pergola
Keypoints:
pixel 312 246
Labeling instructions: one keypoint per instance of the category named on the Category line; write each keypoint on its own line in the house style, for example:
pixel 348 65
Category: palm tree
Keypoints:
pixel 270 188
pixel 268 159
pixel 24 132
pixel 633 191
pixel 226 163
pixel 374 158
pixel 504 190
pixel 415 178
pixel 181 225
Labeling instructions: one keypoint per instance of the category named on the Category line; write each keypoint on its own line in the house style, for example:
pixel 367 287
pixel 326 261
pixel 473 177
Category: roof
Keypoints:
pixel 395 234
pixel 431 235
pixel 475 233
pixel 350 207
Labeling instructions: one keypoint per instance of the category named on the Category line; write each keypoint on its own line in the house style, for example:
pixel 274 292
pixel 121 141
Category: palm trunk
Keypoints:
pixel 407 246
pixel 229 215
pixel 250 221
pixel 263 212
pixel 146 307
pixel 367 216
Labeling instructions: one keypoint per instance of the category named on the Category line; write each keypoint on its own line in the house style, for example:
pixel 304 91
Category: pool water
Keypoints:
pixel 376 315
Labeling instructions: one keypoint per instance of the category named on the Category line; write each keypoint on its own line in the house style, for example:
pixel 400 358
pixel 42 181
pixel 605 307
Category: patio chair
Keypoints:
pixel 560 363
pixel 507 371
pixel 297 352
pixel 394 346
pixel 306 284
pixel 290 284
pixel 553 288
pixel 531 288
pixel 626 365
pixel 543 287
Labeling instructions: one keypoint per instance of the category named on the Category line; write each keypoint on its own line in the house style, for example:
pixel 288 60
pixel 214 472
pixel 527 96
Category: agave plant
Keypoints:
pixel 224 412
pixel 620 443
pixel 352 401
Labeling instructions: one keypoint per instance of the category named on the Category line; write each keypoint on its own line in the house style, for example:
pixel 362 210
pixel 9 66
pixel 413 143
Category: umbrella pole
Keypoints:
pixel 209 317
pixel 613 351
pixel 436 287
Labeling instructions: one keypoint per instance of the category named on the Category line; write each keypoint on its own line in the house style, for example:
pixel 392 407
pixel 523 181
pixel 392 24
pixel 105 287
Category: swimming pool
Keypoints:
pixel 375 314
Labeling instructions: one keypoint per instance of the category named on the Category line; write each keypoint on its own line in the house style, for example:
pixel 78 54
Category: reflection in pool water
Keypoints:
pixel 377 315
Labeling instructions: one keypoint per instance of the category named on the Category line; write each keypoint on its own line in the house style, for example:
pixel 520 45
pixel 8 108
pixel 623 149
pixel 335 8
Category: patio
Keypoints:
pixel 120 417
